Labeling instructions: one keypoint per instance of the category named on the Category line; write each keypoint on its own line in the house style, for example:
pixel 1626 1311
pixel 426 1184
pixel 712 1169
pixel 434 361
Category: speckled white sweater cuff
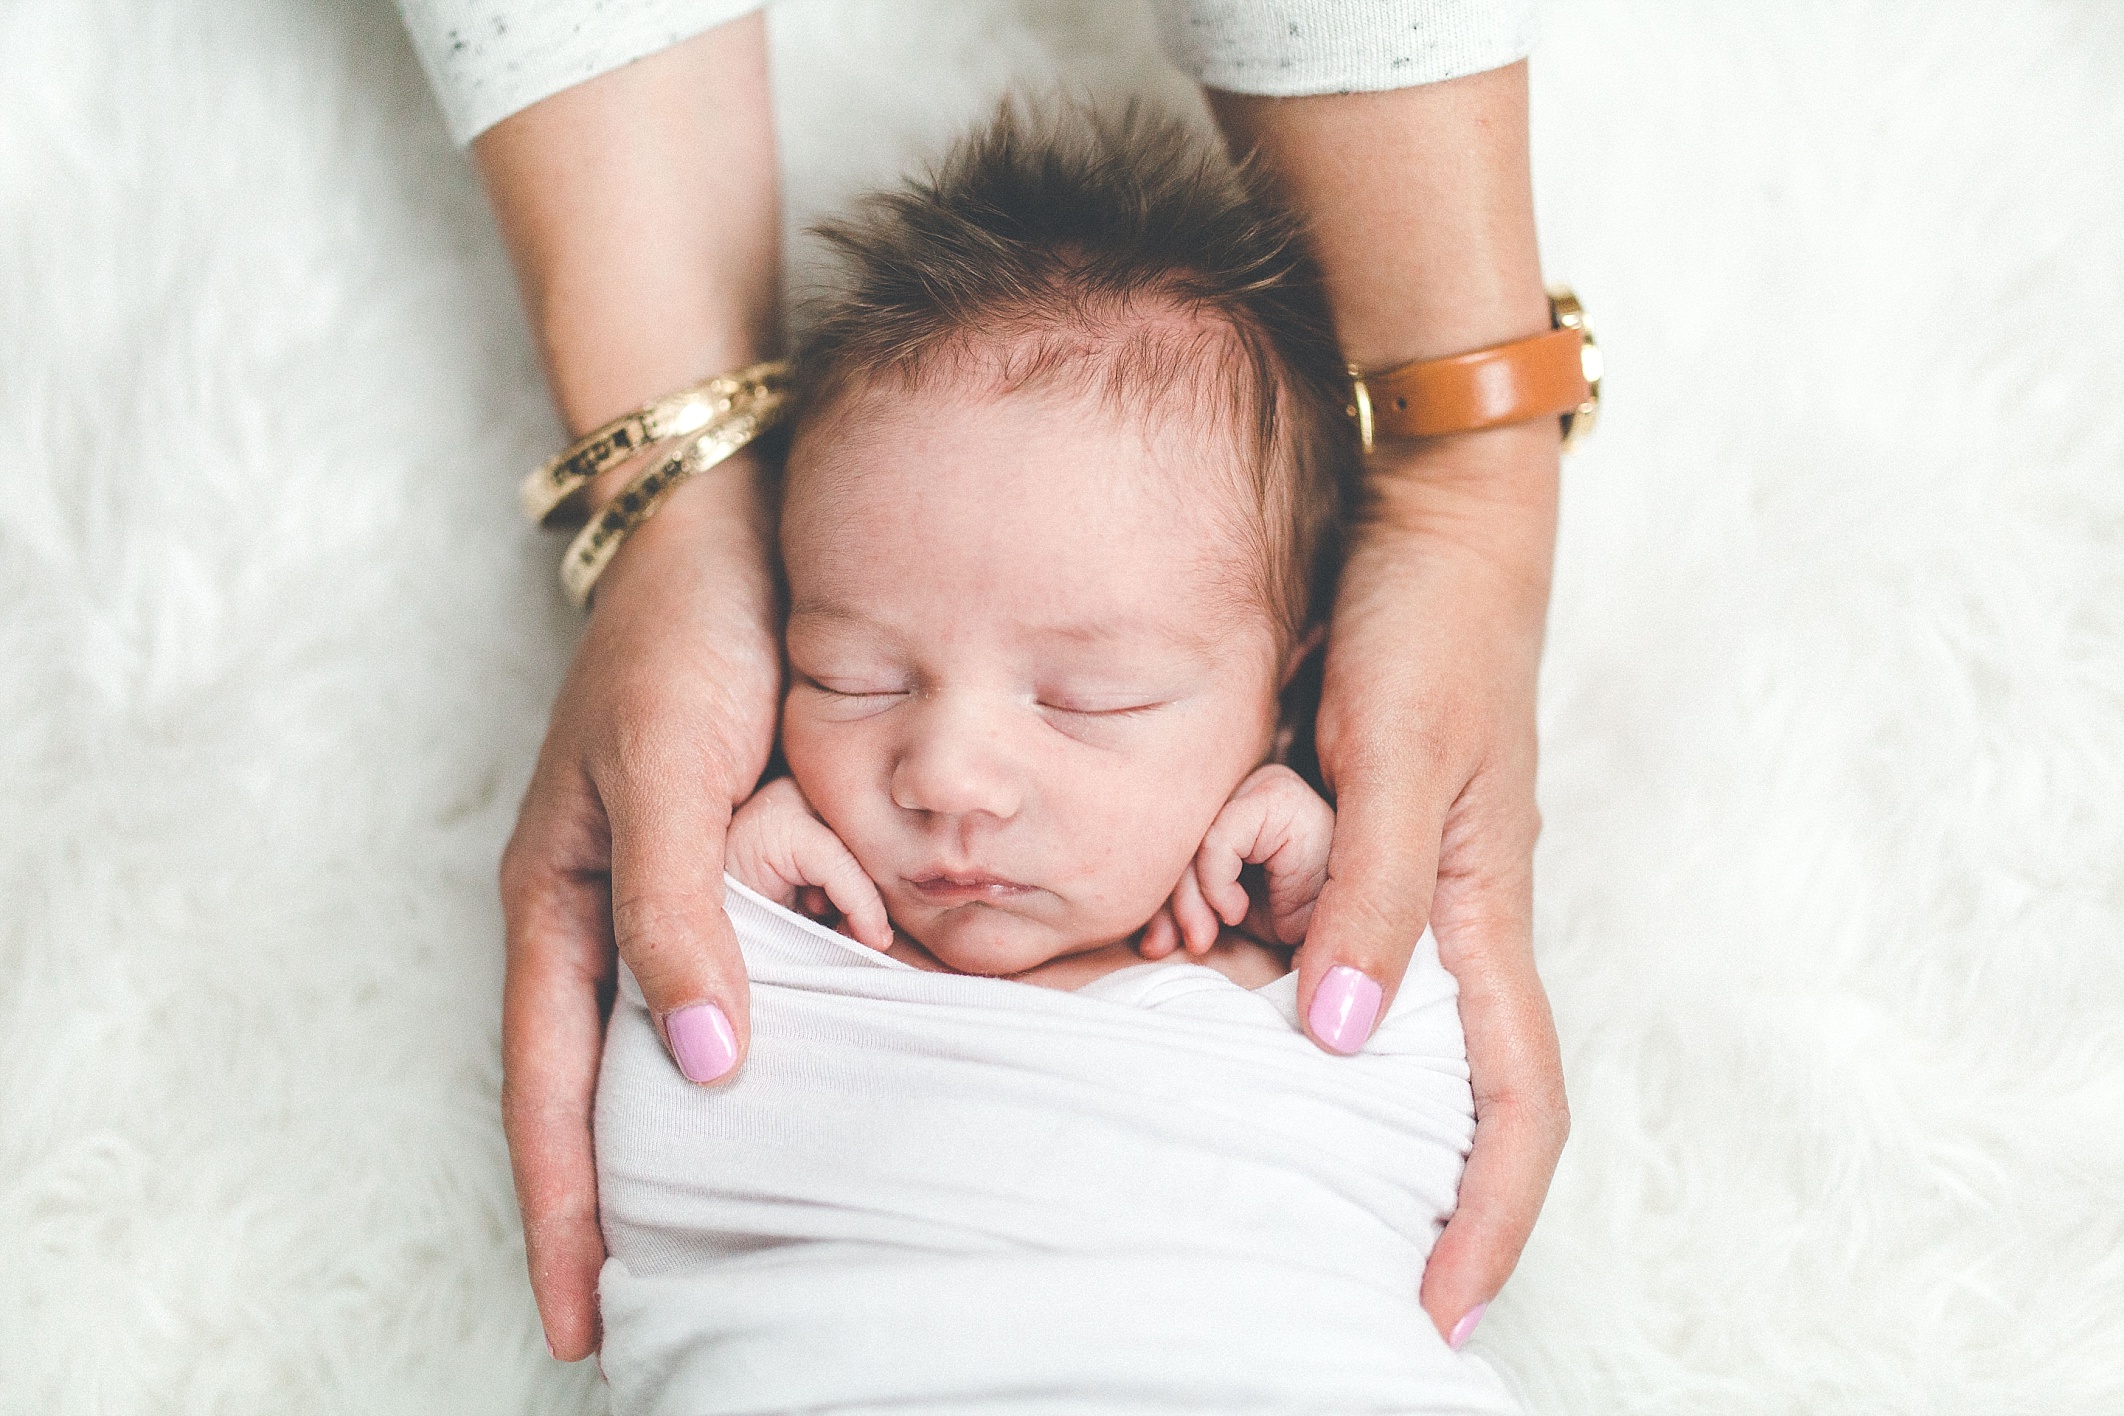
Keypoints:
pixel 488 58
pixel 1292 47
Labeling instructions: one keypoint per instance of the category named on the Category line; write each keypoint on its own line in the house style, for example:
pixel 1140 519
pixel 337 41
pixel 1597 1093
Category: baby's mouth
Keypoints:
pixel 945 887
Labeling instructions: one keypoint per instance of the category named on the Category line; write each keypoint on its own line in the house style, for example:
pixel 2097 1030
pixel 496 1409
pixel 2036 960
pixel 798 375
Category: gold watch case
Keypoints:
pixel 1566 313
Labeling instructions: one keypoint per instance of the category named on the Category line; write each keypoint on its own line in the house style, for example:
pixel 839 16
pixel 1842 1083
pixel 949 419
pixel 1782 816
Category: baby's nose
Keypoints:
pixel 957 763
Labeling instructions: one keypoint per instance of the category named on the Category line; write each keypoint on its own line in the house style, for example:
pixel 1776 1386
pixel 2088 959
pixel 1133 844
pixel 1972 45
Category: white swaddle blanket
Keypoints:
pixel 934 1193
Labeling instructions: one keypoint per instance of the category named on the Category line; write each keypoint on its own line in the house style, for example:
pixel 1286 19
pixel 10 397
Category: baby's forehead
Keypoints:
pixel 1038 492
pixel 1152 356
pixel 1180 380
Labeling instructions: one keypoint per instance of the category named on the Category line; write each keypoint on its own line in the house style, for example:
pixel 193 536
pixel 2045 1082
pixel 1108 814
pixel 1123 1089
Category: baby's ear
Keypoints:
pixel 1304 649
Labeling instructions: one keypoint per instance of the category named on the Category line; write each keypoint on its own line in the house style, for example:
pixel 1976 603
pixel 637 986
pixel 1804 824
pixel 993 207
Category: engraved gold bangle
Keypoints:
pixel 601 537
pixel 553 495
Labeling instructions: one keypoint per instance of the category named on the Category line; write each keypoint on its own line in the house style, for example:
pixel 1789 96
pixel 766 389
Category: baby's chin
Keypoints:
pixel 981 939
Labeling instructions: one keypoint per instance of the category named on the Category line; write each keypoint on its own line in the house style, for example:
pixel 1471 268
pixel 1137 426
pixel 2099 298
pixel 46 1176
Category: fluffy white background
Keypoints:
pixel 1832 895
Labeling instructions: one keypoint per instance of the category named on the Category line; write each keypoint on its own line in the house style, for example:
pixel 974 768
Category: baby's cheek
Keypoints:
pixel 832 765
pixel 1140 843
pixel 1159 806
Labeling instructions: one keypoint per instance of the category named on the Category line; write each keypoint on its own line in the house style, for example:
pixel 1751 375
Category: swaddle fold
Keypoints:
pixel 934 1193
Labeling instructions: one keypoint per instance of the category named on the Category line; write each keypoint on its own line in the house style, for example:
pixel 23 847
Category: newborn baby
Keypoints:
pixel 1060 518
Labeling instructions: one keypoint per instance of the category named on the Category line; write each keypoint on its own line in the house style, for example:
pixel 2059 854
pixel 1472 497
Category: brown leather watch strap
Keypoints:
pixel 1540 377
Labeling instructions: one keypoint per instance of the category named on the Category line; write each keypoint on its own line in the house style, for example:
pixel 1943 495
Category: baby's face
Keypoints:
pixel 1026 670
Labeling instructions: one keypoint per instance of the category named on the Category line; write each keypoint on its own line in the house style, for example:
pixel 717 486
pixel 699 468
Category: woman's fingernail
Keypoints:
pixel 1344 1008
pixel 702 1041
pixel 549 1348
pixel 1465 1328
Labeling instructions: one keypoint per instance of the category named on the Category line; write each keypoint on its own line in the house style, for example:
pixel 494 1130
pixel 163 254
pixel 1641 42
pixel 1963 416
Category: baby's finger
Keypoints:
pixel 828 865
pixel 1223 855
pixel 1160 937
pixel 1290 921
pixel 1198 923
pixel 1296 866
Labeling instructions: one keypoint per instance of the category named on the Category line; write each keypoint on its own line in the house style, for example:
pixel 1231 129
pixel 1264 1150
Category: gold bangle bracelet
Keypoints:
pixel 553 495
pixel 600 539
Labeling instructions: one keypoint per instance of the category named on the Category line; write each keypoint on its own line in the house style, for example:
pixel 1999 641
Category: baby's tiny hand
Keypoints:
pixel 1274 821
pixel 779 848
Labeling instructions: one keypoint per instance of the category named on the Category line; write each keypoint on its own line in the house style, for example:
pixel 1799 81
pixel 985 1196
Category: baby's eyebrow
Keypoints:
pixel 1187 637
pixel 820 609
pixel 1080 632
pixel 1083 631
pixel 833 614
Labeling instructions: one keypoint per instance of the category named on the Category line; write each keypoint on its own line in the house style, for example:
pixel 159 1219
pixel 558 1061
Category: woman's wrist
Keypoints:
pixel 1486 499
pixel 694 583
pixel 714 525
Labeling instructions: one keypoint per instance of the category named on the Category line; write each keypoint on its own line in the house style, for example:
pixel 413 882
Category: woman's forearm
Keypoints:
pixel 1419 206
pixel 642 211
pixel 1420 210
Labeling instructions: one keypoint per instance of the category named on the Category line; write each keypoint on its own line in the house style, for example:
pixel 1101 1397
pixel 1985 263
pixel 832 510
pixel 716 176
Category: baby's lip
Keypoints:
pixel 941 887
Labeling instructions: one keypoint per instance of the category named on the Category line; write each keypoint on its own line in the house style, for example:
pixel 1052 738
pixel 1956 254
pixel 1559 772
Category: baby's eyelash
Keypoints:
pixel 1131 711
pixel 809 682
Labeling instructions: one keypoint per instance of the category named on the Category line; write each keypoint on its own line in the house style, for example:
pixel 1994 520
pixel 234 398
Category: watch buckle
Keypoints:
pixel 1360 407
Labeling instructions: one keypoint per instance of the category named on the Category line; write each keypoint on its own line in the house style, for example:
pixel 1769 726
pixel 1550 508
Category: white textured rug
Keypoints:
pixel 1833 887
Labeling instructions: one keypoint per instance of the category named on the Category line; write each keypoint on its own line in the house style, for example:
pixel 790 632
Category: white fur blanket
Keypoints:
pixel 931 1193
pixel 1833 706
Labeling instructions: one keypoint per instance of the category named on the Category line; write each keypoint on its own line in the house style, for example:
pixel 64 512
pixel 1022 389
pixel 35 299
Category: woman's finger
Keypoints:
pixel 1521 1120
pixel 559 960
pixel 1483 922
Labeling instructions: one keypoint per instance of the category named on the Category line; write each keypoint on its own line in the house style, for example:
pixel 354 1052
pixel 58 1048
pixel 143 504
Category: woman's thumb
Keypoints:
pixel 670 929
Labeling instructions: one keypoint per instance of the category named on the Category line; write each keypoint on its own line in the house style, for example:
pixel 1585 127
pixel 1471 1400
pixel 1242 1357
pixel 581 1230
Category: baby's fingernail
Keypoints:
pixel 1344 1008
pixel 702 1041
pixel 1465 1328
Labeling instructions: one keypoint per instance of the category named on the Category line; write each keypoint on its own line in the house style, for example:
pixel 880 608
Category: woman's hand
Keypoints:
pixel 664 724
pixel 1420 211
pixel 642 212
pixel 1426 735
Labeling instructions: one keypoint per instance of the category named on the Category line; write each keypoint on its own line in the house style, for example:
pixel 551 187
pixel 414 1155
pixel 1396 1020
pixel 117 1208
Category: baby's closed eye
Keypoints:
pixel 1097 706
pixel 848 698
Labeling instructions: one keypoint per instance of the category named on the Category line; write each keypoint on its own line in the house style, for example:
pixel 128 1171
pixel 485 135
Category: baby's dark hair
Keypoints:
pixel 1127 254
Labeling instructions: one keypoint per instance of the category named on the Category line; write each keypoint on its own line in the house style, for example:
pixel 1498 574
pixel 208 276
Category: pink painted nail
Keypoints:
pixel 1344 1008
pixel 1465 1328
pixel 702 1041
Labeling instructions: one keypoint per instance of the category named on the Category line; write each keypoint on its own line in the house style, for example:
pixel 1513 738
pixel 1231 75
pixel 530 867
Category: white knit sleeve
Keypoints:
pixel 488 58
pixel 1290 47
